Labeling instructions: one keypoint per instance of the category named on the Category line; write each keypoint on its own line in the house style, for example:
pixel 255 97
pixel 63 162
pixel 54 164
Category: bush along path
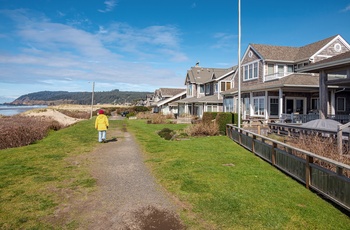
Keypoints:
pixel 126 196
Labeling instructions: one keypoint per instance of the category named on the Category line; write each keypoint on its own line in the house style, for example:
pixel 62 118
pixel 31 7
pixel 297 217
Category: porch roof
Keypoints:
pixel 206 99
pixel 339 61
pixel 297 81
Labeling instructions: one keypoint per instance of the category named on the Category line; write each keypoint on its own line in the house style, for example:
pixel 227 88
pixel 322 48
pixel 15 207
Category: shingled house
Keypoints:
pixel 204 86
pixel 164 100
pixel 271 87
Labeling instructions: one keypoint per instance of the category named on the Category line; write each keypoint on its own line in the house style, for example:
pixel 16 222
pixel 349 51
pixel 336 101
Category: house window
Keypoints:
pixel 315 103
pixel 201 89
pixel 280 69
pixel 215 87
pixel 270 69
pixel 189 90
pixel 341 104
pixel 259 106
pixel 273 106
pixel 228 104
pixel 225 86
pixel 255 70
pixel 207 89
pixel 251 71
pixel 290 68
pixel 212 107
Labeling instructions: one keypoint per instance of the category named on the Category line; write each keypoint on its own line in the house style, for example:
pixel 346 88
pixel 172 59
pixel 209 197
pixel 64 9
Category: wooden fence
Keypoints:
pixel 318 173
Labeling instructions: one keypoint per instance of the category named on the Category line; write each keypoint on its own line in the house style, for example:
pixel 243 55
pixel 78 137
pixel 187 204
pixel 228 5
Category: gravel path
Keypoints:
pixel 127 195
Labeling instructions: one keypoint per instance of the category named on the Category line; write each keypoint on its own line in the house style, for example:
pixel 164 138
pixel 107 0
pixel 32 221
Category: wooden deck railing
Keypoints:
pixel 318 173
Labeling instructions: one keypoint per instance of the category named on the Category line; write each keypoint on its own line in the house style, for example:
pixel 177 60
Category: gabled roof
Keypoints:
pixel 292 54
pixel 170 92
pixel 335 61
pixel 172 99
pixel 201 75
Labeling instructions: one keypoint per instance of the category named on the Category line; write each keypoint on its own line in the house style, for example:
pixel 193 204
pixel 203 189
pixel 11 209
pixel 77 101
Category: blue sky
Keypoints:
pixel 143 45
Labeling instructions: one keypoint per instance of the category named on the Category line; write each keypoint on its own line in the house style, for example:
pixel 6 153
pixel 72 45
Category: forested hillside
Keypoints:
pixel 82 98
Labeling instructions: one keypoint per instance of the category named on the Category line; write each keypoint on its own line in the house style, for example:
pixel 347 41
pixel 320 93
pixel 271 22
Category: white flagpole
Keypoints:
pixel 239 63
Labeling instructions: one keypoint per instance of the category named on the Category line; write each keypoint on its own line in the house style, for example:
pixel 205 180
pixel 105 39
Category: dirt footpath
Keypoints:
pixel 127 195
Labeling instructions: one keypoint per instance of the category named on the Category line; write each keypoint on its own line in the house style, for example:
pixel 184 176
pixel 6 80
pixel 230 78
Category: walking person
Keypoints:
pixel 101 124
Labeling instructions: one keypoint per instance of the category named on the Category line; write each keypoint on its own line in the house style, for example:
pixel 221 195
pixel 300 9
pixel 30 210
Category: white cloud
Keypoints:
pixel 56 54
pixel 346 9
pixel 110 5
pixel 223 41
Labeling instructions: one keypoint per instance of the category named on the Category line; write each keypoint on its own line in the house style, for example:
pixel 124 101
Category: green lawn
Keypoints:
pixel 34 178
pixel 219 184
pixel 223 186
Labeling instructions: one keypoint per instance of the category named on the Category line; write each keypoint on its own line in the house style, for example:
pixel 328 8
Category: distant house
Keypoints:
pixel 271 85
pixel 204 86
pixel 164 100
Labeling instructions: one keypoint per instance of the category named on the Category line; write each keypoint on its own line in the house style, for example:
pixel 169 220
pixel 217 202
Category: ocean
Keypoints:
pixel 9 110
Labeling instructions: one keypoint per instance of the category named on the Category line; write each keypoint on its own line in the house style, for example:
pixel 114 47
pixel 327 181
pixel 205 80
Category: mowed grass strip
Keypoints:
pixel 223 186
pixel 35 179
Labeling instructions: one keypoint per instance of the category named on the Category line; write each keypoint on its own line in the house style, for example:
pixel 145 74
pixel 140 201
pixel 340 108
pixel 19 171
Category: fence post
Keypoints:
pixel 340 140
pixel 309 160
pixel 253 143
pixel 240 136
pixel 273 153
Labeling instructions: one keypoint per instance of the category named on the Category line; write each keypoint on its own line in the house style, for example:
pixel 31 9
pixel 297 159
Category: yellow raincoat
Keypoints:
pixel 101 122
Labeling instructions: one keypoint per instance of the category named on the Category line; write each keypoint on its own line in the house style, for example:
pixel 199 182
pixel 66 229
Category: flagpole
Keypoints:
pixel 239 63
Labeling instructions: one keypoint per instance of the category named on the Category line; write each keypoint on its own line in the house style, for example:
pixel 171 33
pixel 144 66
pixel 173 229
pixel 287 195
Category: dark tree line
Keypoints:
pixel 84 98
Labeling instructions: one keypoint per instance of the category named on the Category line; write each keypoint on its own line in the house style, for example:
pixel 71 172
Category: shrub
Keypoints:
pixel 157 118
pixel 209 116
pixel 19 130
pixel 235 119
pixel 222 119
pixel 139 109
pixel 75 114
pixel 203 129
pixel 166 133
pixel 132 114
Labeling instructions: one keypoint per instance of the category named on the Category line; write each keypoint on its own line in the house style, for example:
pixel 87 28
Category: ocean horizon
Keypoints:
pixel 9 110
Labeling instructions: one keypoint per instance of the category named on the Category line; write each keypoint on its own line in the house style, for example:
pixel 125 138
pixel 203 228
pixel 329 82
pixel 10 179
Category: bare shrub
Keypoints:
pixel 203 129
pixel 75 114
pixel 158 119
pixel 19 130
pixel 144 115
pixel 322 146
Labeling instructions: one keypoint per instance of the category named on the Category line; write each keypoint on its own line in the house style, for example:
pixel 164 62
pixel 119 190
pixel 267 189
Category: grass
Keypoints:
pixel 34 178
pixel 219 184
pixel 223 186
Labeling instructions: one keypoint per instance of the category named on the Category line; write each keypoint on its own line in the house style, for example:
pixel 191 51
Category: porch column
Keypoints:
pixel 332 105
pixel 323 95
pixel 280 102
pixel 251 105
pixel 265 105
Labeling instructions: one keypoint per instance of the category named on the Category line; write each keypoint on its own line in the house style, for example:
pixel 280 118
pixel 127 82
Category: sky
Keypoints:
pixel 144 45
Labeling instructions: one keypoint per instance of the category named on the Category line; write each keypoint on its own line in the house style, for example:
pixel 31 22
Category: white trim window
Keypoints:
pixel 201 89
pixel 273 106
pixel 216 85
pixel 341 104
pixel 259 106
pixel 211 108
pixel 225 85
pixel 250 71
pixel 189 90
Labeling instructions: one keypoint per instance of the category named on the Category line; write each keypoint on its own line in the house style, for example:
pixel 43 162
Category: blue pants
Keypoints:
pixel 101 135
